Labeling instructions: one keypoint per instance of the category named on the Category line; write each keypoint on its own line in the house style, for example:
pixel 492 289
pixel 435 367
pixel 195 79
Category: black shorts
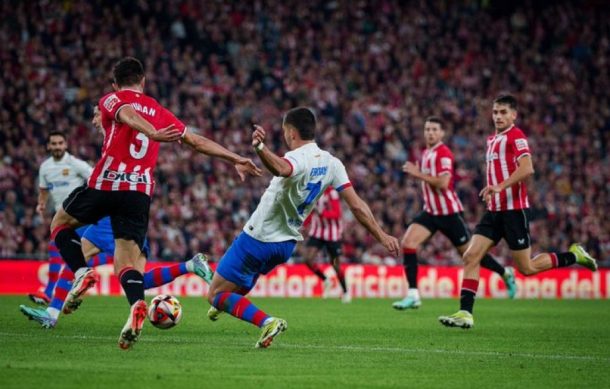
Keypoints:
pixel 513 226
pixel 452 226
pixel 333 248
pixel 128 211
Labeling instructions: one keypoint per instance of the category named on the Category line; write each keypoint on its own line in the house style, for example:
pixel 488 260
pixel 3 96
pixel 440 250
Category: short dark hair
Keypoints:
pixel 435 119
pixel 55 133
pixel 304 120
pixel 509 100
pixel 128 71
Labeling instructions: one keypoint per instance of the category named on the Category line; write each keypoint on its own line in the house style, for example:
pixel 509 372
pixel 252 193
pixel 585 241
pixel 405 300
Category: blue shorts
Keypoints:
pixel 102 237
pixel 247 258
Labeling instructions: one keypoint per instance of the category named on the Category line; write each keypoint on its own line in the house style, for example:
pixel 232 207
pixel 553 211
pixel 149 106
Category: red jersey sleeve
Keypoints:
pixel 169 118
pixel 444 162
pixel 109 105
pixel 518 142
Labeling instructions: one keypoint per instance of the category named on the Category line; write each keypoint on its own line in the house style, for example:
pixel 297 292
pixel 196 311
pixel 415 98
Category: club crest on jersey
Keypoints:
pixel 65 172
pixel 111 102
pixel 132 178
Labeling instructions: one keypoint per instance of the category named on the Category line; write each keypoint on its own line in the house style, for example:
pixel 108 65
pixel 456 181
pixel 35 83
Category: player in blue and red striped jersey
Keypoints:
pixel 509 164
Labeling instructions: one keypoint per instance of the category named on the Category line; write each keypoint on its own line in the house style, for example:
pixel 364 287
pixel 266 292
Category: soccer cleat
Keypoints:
pixel 201 267
pixel 407 303
pixel 272 329
pixel 213 313
pixel 39 298
pixel 462 319
pixel 71 306
pixel 346 298
pixel 509 280
pixel 39 315
pixel 327 286
pixel 81 285
pixel 133 327
pixel 582 257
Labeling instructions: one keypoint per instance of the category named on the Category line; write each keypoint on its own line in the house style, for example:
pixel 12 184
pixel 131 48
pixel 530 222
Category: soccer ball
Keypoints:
pixel 165 311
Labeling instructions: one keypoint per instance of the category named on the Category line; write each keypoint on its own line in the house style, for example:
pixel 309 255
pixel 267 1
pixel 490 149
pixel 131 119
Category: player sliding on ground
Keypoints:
pixel 269 237
pixel 509 164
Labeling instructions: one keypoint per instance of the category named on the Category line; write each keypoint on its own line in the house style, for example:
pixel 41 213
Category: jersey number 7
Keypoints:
pixel 314 189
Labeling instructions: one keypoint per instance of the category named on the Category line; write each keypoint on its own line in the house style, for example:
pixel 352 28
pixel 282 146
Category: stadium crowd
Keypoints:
pixel 373 70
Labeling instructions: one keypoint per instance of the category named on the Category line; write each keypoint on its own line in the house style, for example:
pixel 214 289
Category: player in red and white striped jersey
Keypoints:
pixel 325 231
pixel 121 185
pixel 509 164
pixel 442 212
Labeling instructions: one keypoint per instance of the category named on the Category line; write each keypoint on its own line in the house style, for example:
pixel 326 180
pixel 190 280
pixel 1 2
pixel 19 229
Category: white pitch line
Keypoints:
pixel 358 348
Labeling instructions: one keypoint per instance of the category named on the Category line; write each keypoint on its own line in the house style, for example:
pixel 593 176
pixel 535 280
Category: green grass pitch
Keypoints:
pixel 515 344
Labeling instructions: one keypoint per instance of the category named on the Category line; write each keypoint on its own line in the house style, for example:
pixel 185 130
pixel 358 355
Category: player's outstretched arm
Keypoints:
pixel 525 169
pixel 363 214
pixel 43 197
pixel 207 146
pixel 440 182
pixel 129 116
pixel 276 165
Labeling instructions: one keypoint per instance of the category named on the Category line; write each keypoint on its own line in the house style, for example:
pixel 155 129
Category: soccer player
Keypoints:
pixel 121 185
pixel 325 231
pixel 58 175
pixel 270 235
pixel 509 164
pixel 442 212
pixel 98 248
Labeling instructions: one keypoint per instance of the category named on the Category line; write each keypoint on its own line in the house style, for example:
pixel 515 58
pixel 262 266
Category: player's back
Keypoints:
pixel 128 156
pixel 289 200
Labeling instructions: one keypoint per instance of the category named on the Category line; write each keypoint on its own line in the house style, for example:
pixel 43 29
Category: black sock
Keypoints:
pixel 564 259
pixel 467 300
pixel 488 262
pixel 316 271
pixel 410 264
pixel 468 293
pixel 68 243
pixel 341 277
pixel 132 282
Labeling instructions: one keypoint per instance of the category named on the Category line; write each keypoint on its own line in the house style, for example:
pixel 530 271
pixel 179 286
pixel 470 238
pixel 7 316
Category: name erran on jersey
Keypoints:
pixel 131 177
pixel 144 109
pixel 318 171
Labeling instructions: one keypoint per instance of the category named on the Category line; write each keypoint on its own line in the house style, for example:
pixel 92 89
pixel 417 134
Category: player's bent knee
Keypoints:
pixel 471 257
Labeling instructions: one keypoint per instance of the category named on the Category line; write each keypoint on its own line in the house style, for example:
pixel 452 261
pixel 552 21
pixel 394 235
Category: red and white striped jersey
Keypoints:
pixel 503 152
pixel 325 222
pixel 437 161
pixel 128 156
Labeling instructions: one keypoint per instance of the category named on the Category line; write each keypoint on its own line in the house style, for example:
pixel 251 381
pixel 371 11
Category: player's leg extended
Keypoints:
pixel 165 274
pixel 55 265
pixel 309 257
pixel 416 235
pixel 490 263
pixel 334 251
pixel 547 261
pixel 129 267
pixel 478 247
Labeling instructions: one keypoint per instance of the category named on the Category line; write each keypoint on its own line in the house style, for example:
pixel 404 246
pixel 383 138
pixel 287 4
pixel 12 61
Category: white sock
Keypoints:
pixel 413 293
pixel 53 312
pixel 80 272
pixel 189 266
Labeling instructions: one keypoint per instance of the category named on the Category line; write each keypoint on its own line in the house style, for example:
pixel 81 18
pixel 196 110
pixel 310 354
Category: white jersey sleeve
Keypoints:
pixel 288 201
pixel 43 183
pixel 82 168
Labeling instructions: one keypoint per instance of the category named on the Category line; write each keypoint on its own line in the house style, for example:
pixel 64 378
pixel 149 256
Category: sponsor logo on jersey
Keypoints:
pixel 521 144
pixel 65 172
pixel 132 178
pixel 111 102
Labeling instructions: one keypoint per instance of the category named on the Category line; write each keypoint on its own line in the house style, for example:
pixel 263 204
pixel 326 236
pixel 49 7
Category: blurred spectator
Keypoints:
pixel 372 69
